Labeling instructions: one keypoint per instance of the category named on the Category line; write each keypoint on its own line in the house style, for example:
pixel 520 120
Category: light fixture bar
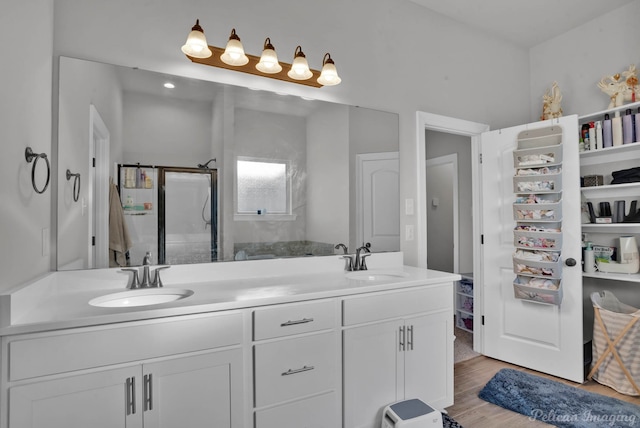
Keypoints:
pixel 215 61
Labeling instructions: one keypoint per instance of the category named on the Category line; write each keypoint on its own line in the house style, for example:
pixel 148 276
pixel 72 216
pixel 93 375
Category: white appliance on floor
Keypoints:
pixel 413 413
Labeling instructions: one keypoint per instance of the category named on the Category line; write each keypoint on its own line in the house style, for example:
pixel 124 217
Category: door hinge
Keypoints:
pixel 481 239
pixel 93 241
pixel 480 157
pixel 94 162
pixel 482 320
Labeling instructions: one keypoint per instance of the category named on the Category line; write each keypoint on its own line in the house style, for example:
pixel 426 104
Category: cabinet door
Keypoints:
pixel 198 391
pixel 373 365
pixel 429 359
pixel 96 400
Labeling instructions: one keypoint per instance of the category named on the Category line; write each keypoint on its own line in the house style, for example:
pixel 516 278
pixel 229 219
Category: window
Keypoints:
pixel 262 187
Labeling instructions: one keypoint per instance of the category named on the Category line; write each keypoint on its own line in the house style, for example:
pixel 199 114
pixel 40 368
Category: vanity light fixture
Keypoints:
pixel 169 85
pixel 233 57
pixel 269 59
pixel 234 52
pixel 196 45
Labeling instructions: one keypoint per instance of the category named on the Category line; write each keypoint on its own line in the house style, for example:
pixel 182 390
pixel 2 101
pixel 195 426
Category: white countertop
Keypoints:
pixel 60 299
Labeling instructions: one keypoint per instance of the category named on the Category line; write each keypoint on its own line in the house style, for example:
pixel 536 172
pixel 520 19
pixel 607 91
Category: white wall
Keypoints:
pixel 327 167
pixel 578 59
pixel 82 84
pixel 392 55
pixel 25 120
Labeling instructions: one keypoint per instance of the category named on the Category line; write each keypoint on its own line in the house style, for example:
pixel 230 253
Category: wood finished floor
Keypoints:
pixel 472 412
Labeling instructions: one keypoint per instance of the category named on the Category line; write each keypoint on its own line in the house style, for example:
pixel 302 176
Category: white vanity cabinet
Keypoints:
pixel 185 371
pixel 297 365
pixel 396 345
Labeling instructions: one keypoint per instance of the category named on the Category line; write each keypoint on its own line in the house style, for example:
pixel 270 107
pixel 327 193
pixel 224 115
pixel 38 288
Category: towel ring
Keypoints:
pixel 76 184
pixel 29 156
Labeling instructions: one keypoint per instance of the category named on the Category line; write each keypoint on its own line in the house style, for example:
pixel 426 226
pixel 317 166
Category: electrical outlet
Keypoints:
pixel 408 232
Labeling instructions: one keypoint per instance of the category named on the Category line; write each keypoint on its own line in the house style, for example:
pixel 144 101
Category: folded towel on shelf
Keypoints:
pixel 631 175
pixel 119 239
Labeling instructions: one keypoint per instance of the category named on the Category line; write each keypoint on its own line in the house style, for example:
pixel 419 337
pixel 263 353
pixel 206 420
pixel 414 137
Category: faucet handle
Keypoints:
pixel 135 282
pixel 363 263
pixel 348 263
pixel 157 282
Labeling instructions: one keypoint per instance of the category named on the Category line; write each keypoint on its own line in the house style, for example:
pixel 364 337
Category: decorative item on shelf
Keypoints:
pixel 551 100
pixel 593 180
pixel 628 261
pixel 233 57
pixel 620 90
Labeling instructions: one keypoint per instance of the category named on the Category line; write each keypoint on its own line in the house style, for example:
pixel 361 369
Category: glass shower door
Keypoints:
pixel 188 216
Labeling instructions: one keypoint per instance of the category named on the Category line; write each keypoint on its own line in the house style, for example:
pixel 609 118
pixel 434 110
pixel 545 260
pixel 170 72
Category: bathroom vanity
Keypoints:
pixel 251 347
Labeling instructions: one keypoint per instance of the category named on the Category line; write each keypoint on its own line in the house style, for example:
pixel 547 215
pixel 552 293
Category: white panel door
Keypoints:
pixel 378 196
pixel 545 338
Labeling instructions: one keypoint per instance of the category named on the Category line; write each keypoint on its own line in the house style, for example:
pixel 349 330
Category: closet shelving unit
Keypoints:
pixel 604 162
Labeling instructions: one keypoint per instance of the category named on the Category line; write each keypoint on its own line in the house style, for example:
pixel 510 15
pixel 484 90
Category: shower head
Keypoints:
pixel 206 165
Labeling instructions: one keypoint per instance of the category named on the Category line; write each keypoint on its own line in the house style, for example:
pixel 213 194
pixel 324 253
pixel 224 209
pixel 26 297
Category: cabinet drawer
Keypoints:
pixel 45 354
pixel 286 320
pixel 291 368
pixel 314 412
pixel 396 304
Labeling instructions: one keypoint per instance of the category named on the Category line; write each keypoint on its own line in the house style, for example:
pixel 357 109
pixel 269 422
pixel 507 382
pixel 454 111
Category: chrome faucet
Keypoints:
pixel 146 275
pixel 344 248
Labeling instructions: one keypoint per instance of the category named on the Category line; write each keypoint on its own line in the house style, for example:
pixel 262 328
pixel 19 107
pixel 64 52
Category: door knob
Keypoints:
pixel 570 262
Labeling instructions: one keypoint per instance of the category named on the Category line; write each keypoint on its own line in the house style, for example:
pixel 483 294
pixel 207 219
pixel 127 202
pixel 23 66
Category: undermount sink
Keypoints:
pixel 140 297
pixel 376 275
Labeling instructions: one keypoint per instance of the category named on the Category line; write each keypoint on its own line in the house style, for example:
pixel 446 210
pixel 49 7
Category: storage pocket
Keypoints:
pixel 538 212
pixel 538 290
pixel 537 183
pixel 545 269
pixel 536 157
pixel 537 240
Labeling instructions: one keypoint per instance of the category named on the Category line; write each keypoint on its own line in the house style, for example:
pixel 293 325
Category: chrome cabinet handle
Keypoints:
pixel 148 392
pixel 410 338
pixel 131 396
pixel 295 322
pixel 402 338
pixel 294 371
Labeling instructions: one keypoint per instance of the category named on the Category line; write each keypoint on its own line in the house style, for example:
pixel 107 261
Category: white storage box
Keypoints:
pixel 413 413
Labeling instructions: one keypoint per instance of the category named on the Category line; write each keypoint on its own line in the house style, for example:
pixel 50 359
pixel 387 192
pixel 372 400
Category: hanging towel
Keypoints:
pixel 119 239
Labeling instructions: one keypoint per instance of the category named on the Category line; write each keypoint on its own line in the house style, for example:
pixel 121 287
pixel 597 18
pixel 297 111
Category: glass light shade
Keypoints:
pixel 329 74
pixel 196 45
pixel 234 52
pixel 269 59
pixel 299 67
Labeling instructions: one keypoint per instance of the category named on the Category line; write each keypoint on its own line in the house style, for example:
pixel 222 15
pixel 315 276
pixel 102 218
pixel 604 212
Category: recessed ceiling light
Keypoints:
pixel 169 85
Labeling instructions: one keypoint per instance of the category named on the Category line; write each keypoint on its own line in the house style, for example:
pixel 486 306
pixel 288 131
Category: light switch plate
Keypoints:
pixel 408 206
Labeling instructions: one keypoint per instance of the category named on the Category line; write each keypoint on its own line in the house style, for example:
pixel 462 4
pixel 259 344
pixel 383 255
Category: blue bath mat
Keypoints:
pixel 556 403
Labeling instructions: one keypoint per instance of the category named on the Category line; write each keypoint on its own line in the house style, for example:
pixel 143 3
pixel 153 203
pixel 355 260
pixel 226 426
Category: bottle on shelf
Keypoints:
pixel 628 130
pixel 607 137
pixel 616 129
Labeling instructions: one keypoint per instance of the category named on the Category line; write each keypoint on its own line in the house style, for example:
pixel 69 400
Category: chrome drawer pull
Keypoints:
pixel 303 369
pixel 131 396
pixel 302 321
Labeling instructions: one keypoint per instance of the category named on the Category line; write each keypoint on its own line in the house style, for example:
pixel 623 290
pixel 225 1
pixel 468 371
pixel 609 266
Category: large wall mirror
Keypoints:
pixel 201 171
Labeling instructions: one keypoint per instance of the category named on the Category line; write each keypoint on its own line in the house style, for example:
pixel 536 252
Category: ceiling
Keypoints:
pixel 525 23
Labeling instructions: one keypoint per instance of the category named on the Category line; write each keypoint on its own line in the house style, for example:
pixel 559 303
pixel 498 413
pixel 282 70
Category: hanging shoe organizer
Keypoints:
pixel 537 237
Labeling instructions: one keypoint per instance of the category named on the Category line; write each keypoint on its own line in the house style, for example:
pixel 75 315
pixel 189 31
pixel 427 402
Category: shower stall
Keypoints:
pixel 171 212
